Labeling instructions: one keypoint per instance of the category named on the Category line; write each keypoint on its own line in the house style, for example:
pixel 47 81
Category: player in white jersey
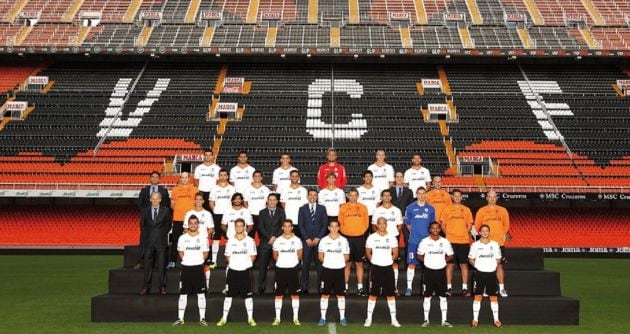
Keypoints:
pixel 220 202
pixel 240 254
pixel 237 211
pixel 333 252
pixel 206 176
pixel 256 199
pixel 434 251
pixel 206 226
pixel 293 197
pixel 241 175
pixel 417 176
pixel 394 218
pixel 381 249
pixel 282 175
pixel 331 197
pixel 287 253
pixel 368 194
pixel 192 248
pixel 382 171
pixel 485 256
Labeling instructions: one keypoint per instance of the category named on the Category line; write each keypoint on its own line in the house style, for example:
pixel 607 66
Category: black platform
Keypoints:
pixel 535 297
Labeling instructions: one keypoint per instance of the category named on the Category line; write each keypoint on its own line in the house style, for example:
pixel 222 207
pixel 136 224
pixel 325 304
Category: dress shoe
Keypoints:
pixel 162 291
pixel 138 266
pixel 144 291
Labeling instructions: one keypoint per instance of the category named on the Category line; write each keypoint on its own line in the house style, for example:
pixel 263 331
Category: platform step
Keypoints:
pixel 514 310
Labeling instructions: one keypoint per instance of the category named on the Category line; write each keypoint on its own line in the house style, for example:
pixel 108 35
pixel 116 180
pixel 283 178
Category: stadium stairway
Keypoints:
pixel 535 298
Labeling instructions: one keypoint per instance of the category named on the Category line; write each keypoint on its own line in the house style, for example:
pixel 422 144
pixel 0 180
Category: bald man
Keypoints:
pixel 155 222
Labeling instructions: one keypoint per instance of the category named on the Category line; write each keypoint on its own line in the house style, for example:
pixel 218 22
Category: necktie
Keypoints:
pixel 312 212
pixel 153 189
pixel 399 192
pixel 271 212
pixel 155 213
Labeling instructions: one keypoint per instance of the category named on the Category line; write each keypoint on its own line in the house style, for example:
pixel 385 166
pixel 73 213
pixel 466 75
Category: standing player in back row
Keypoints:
pixel 382 171
pixel 192 248
pixel 282 175
pixel 331 197
pixel 418 216
pixel 241 175
pixel 206 176
pixel 498 219
pixel 485 256
pixel 438 197
pixel 332 166
pixel 417 176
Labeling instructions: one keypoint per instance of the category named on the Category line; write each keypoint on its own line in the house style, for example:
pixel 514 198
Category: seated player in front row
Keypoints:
pixel 193 249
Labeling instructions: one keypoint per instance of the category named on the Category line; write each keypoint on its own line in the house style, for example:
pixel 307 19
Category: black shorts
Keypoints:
pixel 504 258
pixel 485 281
pixel 192 280
pixel 460 252
pixel 357 248
pixel 382 281
pixel 218 232
pixel 333 281
pixel 287 279
pixel 435 281
pixel 239 283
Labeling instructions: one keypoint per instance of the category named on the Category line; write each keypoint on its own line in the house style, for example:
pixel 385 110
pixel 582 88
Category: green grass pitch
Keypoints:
pixel 51 294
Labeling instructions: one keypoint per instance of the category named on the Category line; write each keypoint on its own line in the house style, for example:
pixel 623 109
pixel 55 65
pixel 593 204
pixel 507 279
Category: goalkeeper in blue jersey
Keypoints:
pixel 418 216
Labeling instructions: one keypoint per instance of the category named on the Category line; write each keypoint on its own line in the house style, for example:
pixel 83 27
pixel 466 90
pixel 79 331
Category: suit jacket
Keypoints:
pixel 270 226
pixel 405 199
pixel 156 231
pixel 145 196
pixel 316 228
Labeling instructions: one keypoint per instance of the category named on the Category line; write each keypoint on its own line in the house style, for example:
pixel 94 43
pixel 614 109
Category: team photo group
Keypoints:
pixel 393 218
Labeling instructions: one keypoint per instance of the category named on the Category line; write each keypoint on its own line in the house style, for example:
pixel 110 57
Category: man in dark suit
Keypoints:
pixel 401 197
pixel 144 201
pixel 269 228
pixel 313 225
pixel 156 222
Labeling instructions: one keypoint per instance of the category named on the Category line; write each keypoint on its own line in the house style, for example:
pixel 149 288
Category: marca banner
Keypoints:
pixel 471 159
pixel 515 17
pixel 71 193
pixel 233 85
pixel 271 16
pixel 431 83
pixel 454 16
pixel 398 16
pixel 16 106
pixel 210 15
pixel 37 80
pixel 150 15
pixel 623 83
pixel 438 108
pixel 29 14
pixel 573 18
pixel 90 14
pixel 230 107
pixel 190 157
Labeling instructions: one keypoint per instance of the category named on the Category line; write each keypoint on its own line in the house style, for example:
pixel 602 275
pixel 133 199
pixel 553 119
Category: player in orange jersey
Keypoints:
pixel 438 198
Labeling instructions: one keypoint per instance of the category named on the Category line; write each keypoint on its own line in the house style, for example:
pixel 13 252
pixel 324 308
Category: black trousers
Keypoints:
pixel 154 253
pixel 178 230
pixel 141 247
pixel 264 258
pixel 309 256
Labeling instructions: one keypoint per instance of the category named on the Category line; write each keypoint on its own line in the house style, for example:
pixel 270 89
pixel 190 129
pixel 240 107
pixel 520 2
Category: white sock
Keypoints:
pixel 359 286
pixel 341 304
pixel 278 305
pixel 249 307
pixel 396 277
pixel 346 286
pixel 215 250
pixel 371 306
pixel 476 309
pixel 207 273
pixel 464 286
pixel 501 287
pixel 295 304
pixel 411 272
pixel 227 304
pixel 201 303
pixel 323 307
pixel 494 306
pixel 391 303
pixel 449 286
pixel 181 306
pixel 443 307
pixel 427 307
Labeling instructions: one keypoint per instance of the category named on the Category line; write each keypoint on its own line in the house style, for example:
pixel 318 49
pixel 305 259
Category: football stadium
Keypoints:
pixel 315 166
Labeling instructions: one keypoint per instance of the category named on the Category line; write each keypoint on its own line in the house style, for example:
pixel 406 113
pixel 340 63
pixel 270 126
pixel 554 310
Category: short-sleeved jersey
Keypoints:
pixel 353 219
pixel 382 246
pixel 332 200
pixel 241 178
pixel 417 178
pixel 293 200
pixel 338 169
pixel 454 219
pixel 369 197
pixel 240 253
pixel 419 217
pixel 435 252
pixel 193 248
pixel 485 255
pixel 222 198
pixel 393 216
pixel 497 218
pixel 439 199
pixel 334 251
pixel 206 176
pixel 382 176
pixel 287 251
pixel 233 214
pixel 205 221
pixel 183 198
pixel 256 198
pixel 282 178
